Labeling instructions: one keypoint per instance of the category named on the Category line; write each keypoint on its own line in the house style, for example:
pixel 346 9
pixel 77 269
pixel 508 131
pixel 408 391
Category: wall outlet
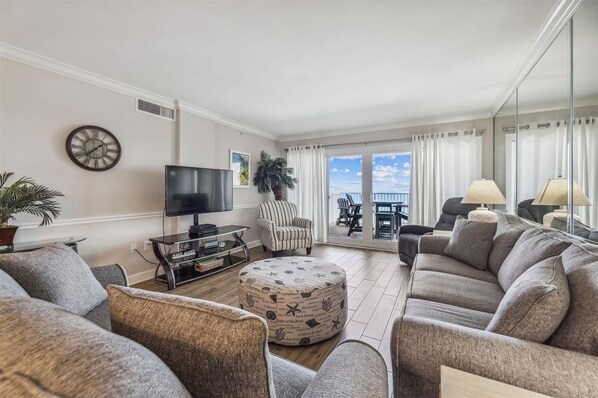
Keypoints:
pixel 133 247
pixel 147 245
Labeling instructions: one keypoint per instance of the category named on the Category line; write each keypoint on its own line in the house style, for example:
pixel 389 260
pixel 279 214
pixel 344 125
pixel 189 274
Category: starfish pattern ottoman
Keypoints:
pixel 303 299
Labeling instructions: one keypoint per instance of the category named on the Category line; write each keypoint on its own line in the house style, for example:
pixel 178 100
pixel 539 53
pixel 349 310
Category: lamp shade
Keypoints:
pixel 555 193
pixel 484 192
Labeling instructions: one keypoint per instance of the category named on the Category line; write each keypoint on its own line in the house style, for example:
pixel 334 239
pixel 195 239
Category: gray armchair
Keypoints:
pixel 113 274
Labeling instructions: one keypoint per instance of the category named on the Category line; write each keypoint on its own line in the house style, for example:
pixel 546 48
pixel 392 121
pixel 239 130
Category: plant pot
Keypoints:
pixel 7 235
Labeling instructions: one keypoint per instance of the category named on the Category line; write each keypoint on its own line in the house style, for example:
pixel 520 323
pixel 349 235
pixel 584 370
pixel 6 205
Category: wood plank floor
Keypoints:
pixel 376 285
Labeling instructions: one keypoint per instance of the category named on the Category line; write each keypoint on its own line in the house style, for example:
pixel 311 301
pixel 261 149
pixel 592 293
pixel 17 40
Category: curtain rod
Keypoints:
pixel 397 140
pixel 543 125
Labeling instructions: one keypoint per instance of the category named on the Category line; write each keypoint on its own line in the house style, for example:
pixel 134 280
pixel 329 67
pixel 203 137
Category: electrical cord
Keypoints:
pixel 142 256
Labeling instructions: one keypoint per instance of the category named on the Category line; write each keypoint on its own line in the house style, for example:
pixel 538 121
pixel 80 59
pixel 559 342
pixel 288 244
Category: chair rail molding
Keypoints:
pixel 113 218
pixel 558 19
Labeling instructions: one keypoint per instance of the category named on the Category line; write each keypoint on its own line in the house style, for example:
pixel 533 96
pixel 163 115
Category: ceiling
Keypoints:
pixel 291 68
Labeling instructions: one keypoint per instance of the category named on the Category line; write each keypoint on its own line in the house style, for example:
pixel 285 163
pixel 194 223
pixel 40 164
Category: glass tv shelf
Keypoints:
pixel 181 270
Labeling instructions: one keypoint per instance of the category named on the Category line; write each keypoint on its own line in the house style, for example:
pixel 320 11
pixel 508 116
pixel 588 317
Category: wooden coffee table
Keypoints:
pixel 456 383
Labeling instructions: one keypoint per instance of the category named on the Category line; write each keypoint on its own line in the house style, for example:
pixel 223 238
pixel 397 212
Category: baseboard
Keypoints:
pixel 149 274
pixel 141 276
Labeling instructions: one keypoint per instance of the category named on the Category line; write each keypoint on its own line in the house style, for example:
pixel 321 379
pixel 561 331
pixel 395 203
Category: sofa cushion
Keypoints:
pixel 456 290
pixel 579 329
pixel 215 350
pixel 508 230
pixel 533 246
pixel 46 350
pixel 100 315
pixel 9 287
pixel 447 313
pixel 535 304
pixel 448 265
pixel 56 274
pixel 471 242
pixel 292 233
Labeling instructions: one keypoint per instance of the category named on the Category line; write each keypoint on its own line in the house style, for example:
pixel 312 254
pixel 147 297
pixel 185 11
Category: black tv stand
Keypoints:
pixel 179 272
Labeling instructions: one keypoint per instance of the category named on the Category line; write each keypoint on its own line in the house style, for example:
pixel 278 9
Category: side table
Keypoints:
pixel 70 241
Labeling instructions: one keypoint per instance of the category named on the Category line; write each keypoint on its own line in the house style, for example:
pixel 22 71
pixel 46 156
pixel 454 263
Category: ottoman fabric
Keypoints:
pixel 303 299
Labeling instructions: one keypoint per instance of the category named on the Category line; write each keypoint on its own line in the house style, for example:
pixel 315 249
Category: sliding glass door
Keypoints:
pixel 368 191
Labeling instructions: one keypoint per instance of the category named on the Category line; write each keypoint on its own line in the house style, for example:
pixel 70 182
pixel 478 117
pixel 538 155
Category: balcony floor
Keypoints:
pixel 341 231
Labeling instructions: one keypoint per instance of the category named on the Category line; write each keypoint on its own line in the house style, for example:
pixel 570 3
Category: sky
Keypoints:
pixel 391 173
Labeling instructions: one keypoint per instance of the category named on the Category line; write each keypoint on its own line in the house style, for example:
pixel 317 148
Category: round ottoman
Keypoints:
pixel 303 299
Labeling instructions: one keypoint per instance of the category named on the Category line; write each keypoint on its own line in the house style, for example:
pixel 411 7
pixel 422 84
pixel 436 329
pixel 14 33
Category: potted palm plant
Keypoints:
pixel 273 175
pixel 24 196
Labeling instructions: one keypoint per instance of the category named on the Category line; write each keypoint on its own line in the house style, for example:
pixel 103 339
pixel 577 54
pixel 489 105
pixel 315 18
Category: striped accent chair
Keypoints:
pixel 281 229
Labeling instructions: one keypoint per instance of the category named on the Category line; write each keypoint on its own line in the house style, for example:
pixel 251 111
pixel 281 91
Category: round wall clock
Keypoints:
pixel 93 148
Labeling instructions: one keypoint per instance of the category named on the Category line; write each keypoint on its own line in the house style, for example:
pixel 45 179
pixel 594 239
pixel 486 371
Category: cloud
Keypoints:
pixel 358 174
pixel 335 170
pixel 407 165
pixel 381 172
pixel 405 172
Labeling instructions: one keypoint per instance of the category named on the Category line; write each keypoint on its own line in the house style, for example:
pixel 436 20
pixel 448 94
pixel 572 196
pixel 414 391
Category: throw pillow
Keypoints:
pixel 508 230
pixel 215 350
pixel 579 329
pixel 9 287
pixel 46 351
pixel 471 242
pixel 535 304
pixel 533 246
pixel 56 274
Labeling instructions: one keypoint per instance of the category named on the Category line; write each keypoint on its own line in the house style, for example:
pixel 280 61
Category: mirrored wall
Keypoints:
pixel 546 134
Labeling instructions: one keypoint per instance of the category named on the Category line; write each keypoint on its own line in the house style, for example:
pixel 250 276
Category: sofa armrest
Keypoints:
pixel 113 274
pixel 420 346
pixel 415 229
pixel 303 223
pixel 266 224
pixel 352 370
pixel 433 244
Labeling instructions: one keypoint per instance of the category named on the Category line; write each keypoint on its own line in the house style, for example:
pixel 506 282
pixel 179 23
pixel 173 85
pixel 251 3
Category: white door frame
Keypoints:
pixel 366 152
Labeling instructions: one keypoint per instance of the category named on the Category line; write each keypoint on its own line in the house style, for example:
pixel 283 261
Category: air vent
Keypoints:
pixel 155 109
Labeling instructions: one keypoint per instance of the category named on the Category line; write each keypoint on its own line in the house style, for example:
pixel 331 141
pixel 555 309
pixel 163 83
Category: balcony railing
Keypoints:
pixel 357 198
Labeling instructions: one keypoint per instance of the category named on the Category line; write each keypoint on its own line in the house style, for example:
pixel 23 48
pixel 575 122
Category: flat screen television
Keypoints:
pixel 193 190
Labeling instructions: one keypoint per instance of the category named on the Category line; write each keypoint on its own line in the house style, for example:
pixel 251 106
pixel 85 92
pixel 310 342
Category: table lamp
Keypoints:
pixel 483 192
pixel 555 192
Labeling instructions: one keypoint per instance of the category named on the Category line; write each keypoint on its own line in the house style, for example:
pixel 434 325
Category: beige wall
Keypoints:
pixel 405 133
pixel 114 208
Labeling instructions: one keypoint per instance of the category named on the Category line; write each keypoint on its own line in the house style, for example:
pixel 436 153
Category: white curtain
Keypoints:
pixel 542 155
pixel 443 166
pixel 309 195
pixel 585 168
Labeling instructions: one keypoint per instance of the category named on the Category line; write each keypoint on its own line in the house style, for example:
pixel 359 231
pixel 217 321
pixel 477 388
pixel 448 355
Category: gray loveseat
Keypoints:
pixel 174 346
pixel 450 304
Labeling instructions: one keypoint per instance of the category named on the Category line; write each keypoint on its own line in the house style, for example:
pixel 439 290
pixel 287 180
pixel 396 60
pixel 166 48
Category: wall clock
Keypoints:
pixel 93 148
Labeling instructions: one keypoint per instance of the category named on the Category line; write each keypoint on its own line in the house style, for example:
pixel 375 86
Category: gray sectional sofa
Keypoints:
pixel 131 343
pixel 451 305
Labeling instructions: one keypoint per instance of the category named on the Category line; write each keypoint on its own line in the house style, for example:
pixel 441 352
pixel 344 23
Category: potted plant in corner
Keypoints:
pixel 24 196
pixel 273 175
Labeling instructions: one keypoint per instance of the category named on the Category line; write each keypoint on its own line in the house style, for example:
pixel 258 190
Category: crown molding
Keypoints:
pixel 39 61
pixel 220 119
pixel 553 26
pixel 418 123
